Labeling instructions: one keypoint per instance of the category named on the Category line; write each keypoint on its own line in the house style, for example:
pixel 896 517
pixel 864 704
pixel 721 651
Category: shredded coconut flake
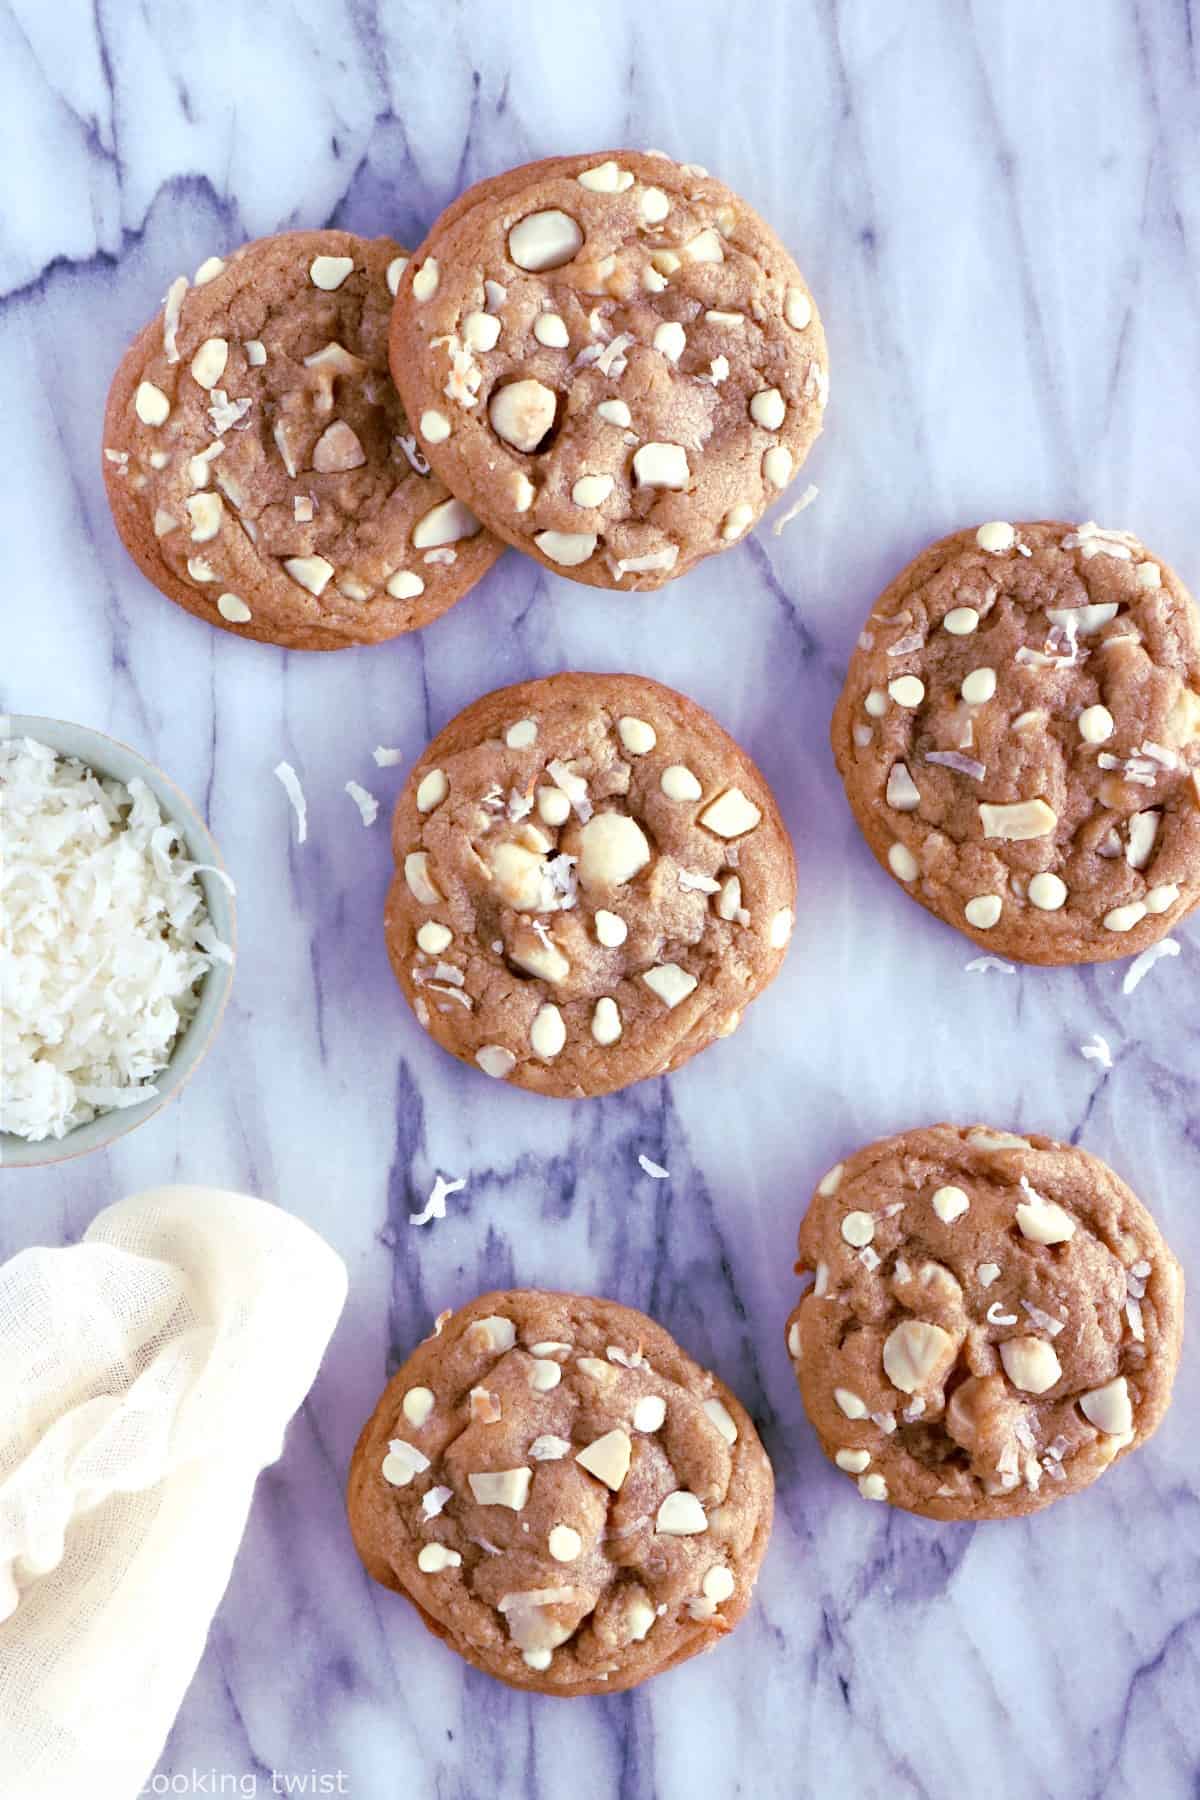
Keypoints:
pixel 435 1206
pixel 104 939
pixel 386 758
pixel 1097 1049
pixel 295 793
pixel 1045 1322
pixel 981 964
pixel 1142 965
pixel 367 804
pixel 653 1169
pixel 951 759
pixel 904 646
pixel 806 499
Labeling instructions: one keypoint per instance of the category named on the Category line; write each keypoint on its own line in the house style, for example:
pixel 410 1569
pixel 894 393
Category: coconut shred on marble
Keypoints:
pixel 104 940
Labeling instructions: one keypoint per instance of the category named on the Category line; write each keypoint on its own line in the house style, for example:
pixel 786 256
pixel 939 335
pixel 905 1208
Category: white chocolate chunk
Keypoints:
pixel 731 814
pixel 337 449
pixel 907 690
pixel 551 330
pixel 606 178
pixel 858 1228
pixel 544 240
pixel 729 899
pixel 670 340
pixel 199 570
pixel 797 308
pixel 606 1021
pixel 567 548
pixel 311 572
pixel 1043 1221
pixel 612 849
pixel 831 1181
pixel 780 929
pixel 432 790
pixel 523 491
pixel 723 1419
pixel 705 247
pixel 234 608
pixel 435 426
pixel 495 1061
pixel 206 514
pixel 548 1033
pixel 607 1458
pixel 850 1403
pixel 996 536
pixel 961 621
pixel 417 1405
pixel 1030 1364
pixel 164 523
pixel 447 523
pixel 433 1501
pixel 545 1375
pixel 671 983
pixel 491 1335
pixel 872 1487
pixel 425 281
pixel 678 783
pixel 661 465
pixel 209 269
pixel 1096 724
pixel 1108 1408
pixel 903 795
pixel 481 331
pixel 950 1203
pixel 1142 836
pixel 876 703
pixel 151 404
pixel 988 1273
pixel 736 520
pixel 329 272
pixel 1162 899
pixel 432 1559
pixel 1047 891
pixel 777 466
pixel 853 1461
pixel 1124 918
pixel 680 1515
pixel 433 938
pixel 979 687
pixel 208 364
pixel 402 1462
pixel 649 1412
pixel 916 1354
pixel 767 409
pixel 404 585
pixel 506 1487
pixel 1018 821
pixel 654 206
pixel 522 735
pixel 903 863
pixel 611 929
pixel 592 490
pixel 395 270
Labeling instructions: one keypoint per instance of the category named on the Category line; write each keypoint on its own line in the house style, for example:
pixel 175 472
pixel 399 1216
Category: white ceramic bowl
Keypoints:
pixel 108 757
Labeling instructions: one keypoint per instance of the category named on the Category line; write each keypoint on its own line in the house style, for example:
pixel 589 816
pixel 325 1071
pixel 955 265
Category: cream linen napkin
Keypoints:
pixel 146 1377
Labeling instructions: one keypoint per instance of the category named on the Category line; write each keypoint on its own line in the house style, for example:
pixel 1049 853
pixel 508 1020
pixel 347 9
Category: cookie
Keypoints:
pixel 1019 736
pixel 994 1320
pixel 613 360
pixel 259 466
pixel 592 881
pixel 563 1494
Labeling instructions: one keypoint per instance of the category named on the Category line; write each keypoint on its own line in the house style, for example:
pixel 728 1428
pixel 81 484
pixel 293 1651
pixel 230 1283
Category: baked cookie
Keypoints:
pixel 994 1321
pixel 613 360
pixel 592 881
pixel 1019 736
pixel 259 465
pixel 563 1494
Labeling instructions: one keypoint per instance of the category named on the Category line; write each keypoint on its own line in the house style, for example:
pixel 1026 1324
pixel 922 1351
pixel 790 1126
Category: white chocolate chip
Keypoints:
pixel 876 703
pixel 611 929
pixel 661 465
pixel 950 1203
pixel 903 863
pixel 680 1515
pixel 404 585
pixel 491 1335
pixel 1019 821
pixel 1142 837
pixel 1030 1364
pixel 705 247
pixel 402 1462
pixel 671 983
pixel 996 536
pixel 592 490
pixel 607 1458
pixel 780 929
pixel 678 783
pixel 670 340
pixel 434 938
pixel 329 272
pixel 979 687
pixel 872 1487
pixel 654 206
pixel 736 521
pixel 564 1543
pixel 731 814
pixel 1124 918
pixel 521 735
pixel 435 426
pixel 1047 891
pixel 853 1461
pixel 548 1033
pixel 432 1559
pixel 1043 1221
pixel 723 1419
pixel 1162 899
pixel 206 512
pixel 606 1021
pixel 614 412
pixel 447 523
pixel 417 1405
pixel 209 269
pixel 545 1375
pixel 234 608
pixel 567 548
pixel 551 330
pixel 636 735
pixel 481 332
pixel 199 570
pixel 151 404
pixel 495 1061
pixel 612 849
pixel 767 409
pixel 718 1584
pixel 984 911
pixel 1108 1408
pixel 311 572
pixel 916 1354
pixel 777 466
pixel 961 621
pixel 1096 724
pixel 432 790
pixel 849 1403
pixel 797 308
pixel 208 364
pixel 858 1228
pixel 649 1412
pixel 506 1487
pixel 903 795
pixel 553 806
pixel 907 690
pixel 395 270
pixel 425 281
pixel 544 240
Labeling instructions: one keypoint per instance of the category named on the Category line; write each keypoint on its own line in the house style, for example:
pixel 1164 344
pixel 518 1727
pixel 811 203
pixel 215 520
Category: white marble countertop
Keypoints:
pixel 998 208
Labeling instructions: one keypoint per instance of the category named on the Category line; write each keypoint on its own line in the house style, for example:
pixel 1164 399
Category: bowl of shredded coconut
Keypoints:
pixel 116 939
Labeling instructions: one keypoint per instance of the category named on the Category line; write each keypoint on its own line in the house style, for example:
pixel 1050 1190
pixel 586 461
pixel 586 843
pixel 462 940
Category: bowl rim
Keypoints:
pixel 117 1122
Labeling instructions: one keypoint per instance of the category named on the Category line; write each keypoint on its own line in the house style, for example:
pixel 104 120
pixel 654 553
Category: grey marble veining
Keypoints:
pixel 998 208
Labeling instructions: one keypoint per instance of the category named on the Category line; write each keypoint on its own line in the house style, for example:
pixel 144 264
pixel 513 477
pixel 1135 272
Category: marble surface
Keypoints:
pixel 998 209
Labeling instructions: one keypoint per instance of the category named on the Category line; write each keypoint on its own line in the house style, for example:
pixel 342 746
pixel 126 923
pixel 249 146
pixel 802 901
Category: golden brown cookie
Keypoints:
pixel 613 360
pixel 1019 736
pixel 258 462
pixel 994 1320
pixel 564 1495
pixel 592 881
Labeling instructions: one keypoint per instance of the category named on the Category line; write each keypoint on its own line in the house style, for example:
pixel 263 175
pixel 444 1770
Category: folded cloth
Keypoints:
pixel 146 1377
